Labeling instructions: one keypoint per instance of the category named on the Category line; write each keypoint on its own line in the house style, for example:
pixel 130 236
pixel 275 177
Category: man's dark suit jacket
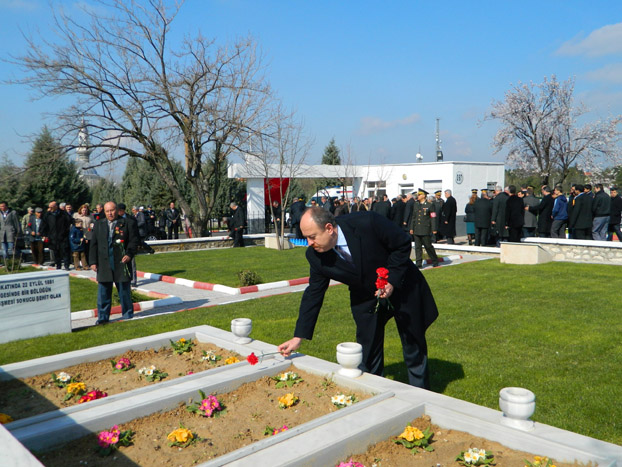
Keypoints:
pixel 514 212
pixel 99 249
pixel 581 214
pixel 374 241
pixel 544 211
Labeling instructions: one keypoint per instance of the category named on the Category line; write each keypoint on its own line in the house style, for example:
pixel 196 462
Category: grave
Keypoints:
pixel 34 304
pixel 323 441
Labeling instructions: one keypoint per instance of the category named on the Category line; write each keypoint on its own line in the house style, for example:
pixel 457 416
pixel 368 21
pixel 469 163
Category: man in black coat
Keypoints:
pixel 447 224
pixel 295 213
pixel 350 249
pixel 601 207
pixel 482 211
pixel 580 217
pixel 55 232
pixel 113 246
pixel 498 227
pixel 236 225
pixel 408 211
pixel 615 214
pixel 397 210
pixel 383 207
pixel 544 210
pixel 173 219
pixel 514 215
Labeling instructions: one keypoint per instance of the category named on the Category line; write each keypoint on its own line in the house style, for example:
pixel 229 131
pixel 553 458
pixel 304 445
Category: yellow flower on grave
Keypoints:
pixel 411 434
pixel 231 360
pixel 4 418
pixel 76 388
pixel 287 400
pixel 182 340
pixel 180 435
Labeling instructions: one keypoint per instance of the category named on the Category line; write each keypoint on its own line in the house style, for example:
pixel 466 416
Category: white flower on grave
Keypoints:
pixel 339 399
pixel 209 356
pixel 64 377
pixel 142 371
pixel 152 367
pixel 482 454
pixel 468 457
pixel 148 372
pixel 119 241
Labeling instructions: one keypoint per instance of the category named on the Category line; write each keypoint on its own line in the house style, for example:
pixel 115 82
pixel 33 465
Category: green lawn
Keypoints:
pixel 221 266
pixel 552 328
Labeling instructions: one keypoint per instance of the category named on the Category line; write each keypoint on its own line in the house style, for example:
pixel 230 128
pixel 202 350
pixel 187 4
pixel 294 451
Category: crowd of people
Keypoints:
pixel 68 233
pixel 511 214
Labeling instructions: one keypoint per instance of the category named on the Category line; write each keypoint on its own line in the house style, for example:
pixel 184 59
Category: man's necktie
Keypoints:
pixel 344 254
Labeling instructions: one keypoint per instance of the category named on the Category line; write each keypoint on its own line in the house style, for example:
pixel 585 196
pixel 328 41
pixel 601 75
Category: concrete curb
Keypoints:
pixel 219 287
pixel 140 306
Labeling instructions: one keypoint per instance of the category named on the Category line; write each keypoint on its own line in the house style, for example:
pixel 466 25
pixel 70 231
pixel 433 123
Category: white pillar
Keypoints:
pixel 255 205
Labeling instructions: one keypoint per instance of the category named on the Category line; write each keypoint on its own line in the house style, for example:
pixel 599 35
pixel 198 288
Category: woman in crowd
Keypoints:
pixel 470 218
pixel 84 214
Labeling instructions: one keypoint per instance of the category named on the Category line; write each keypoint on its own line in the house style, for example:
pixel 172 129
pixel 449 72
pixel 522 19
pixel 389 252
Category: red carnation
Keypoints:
pixel 381 283
pixel 252 359
pixel 382 273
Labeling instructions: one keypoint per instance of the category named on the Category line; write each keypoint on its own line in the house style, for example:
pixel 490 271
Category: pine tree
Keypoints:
pixel 49 175
pixel 331 154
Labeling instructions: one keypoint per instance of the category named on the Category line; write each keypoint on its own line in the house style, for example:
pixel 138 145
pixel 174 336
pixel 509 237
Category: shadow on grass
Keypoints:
pixel 441 373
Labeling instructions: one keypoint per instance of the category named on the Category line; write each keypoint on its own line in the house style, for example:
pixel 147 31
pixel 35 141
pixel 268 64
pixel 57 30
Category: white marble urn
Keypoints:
pixel 241 329
pixel 350 356
pixel 517 405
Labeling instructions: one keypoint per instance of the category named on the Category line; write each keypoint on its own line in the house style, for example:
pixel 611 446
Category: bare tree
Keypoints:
pixel 280 149
pixel 143 99
pixel 539 128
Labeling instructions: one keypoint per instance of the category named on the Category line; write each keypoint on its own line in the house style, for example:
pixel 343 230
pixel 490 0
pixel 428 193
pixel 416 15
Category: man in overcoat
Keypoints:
pixel 350 249
pixel 236 224
pixel 55 231
pixel 482 211
pixel 580 216
pixel 173 219
pixel 114 244
pixel 9 229
pixel 447 224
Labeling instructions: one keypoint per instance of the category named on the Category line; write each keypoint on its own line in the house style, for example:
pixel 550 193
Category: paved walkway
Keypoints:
pixel 197 298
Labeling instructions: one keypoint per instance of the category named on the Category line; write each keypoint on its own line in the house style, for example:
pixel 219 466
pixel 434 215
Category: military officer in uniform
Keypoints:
pixel 422 225
pixel 438 207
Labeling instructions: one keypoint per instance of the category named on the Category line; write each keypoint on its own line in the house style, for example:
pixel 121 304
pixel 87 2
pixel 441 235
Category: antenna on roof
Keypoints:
pixel 439 152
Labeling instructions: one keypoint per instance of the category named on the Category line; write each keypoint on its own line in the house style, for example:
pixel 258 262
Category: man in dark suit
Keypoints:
pixel 580 217
pixel 55 232
pixel 482 211
pixel 173 219
pixel 544 210
pixel 447 224
pixel 350 249
pixel 514 215
pixel 295 213
pixel 114 244
pixel 236 225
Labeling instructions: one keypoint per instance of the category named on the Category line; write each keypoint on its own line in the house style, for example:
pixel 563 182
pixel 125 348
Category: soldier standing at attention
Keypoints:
pixel 422 225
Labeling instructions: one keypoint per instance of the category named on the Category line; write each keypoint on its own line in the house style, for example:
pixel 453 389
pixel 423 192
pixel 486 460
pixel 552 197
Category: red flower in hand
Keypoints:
pixel 252 359
pixel 381 283
pixel 382 273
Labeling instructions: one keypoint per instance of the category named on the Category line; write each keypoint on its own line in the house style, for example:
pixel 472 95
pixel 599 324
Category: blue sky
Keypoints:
pixel 376 75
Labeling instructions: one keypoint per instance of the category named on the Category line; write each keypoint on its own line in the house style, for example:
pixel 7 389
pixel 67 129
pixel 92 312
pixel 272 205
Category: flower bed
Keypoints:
pixel 39 394
pixel 447 445
pixel 250 413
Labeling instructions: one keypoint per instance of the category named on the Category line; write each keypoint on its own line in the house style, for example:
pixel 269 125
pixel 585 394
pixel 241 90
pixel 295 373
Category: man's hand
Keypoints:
pixel 286 348
pixel 126 259
pixel 94 267
pixel 386 292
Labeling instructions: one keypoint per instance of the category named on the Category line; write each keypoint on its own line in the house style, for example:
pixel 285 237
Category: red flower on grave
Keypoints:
pixel 252 359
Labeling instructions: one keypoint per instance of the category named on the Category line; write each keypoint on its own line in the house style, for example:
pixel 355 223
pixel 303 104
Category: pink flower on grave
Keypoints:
pixel 209 405
pixel 92 395
pixel 109 438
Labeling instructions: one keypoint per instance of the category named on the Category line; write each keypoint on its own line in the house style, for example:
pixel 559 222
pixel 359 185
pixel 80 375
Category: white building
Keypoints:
pixel 370 180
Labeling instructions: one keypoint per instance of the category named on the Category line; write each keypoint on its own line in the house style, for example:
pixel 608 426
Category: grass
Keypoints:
pixel 221 266
pixel 552 328
pixel 83 292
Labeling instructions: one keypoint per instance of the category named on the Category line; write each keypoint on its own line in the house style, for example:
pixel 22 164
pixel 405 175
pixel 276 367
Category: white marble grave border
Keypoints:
pixel 323 441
